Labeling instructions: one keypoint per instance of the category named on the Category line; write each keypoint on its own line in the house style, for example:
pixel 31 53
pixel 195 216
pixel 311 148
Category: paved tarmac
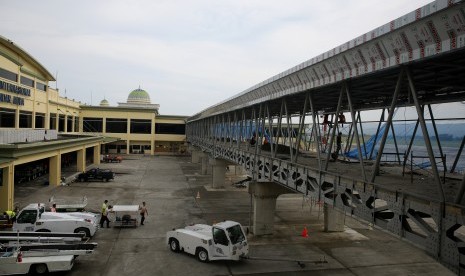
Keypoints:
pixel 170 186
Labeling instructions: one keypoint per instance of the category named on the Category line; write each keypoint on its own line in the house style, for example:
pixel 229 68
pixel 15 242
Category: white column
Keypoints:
pixel 334 219
pixel 218 173
pixel 264 205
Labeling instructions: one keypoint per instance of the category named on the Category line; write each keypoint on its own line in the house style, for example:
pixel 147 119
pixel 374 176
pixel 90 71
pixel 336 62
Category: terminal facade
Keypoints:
pixel 41 131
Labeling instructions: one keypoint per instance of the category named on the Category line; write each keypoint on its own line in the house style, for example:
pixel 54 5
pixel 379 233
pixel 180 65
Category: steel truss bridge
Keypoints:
pixel 414 61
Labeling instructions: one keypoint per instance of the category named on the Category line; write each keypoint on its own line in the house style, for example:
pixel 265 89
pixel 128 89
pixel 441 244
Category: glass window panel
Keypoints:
pixel 141 126
pixel 170 129
pixel 40 120
pixel 27 81
pixel 8 75
pixel 92 124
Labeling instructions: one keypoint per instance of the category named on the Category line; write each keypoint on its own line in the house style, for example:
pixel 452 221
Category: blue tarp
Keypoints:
pixel 369 145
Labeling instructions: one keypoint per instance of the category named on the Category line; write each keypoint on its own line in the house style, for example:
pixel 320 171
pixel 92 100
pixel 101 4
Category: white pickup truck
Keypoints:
pixel 33 218
pixel 222 241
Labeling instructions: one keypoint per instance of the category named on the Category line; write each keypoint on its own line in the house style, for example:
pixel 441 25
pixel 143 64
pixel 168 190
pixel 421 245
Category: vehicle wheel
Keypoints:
pixel 83 230
pixel 39 269
pixel 81 179
pixel 202 255
pixel 44 230
pixel 174 245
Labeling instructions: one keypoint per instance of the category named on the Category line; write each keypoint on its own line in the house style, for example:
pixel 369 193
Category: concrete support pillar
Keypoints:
pixel 47 120
pixel 73 124
pixel 334 219
pixel 128 135
pixel 104 125
pixel 81 160
pixel 152 132
pixel 195 155
pixel 57 121
pixel 205 164
pixel 81 124
pixel 218 173
pixel 239 170
pixel 17 118
pixel 97 155
pixel 7 191
pixel 33 124
pixel 264 205
pixel 55 170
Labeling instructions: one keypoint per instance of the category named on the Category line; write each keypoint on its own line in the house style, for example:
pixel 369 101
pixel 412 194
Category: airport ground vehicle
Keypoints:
pixel 13 262
pixel 34 218
pixel 112 158
pixel 96 174
pixel 222 241
pixel 126 215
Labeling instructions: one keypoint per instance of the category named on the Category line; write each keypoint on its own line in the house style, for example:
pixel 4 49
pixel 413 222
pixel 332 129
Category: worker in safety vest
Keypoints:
pixel 104 215
pixel 11 216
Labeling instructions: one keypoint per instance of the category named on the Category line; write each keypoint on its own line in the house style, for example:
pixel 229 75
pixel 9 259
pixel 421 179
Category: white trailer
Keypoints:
pixel 33 218
pixel 11 263
pixel 222 241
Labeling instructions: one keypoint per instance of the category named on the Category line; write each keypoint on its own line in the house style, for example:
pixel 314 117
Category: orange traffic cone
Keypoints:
pixel 198 195
pixel 305 233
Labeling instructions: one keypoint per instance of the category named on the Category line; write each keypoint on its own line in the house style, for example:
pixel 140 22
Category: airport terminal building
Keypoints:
pixel 41 131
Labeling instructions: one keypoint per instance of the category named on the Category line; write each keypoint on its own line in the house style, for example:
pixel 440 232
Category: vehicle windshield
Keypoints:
pixel 235 234
pixel 27 216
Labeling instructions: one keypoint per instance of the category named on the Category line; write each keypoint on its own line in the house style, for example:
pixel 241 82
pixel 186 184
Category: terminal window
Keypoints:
pixel 7 117
pixel 76 124
pixel 8 75
pixel 53 121
pixel 41 86
pixel 69 126
pixel 25 119
pixel 170 129
pixel 90 124
pixel 40 120
pixel 116 125
pixel 27 81
pixel 141 126
pixel 61 123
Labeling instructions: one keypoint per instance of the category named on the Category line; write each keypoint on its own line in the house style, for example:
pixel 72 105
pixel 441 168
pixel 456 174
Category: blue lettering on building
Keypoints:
pixel 18 101
pixel 15 89
pixel 5 98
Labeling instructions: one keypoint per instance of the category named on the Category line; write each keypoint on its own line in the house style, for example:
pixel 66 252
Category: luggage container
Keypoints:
pixel 126 215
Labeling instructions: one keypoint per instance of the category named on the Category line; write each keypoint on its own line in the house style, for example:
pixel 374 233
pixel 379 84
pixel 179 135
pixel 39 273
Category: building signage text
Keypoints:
pixel 8 99
pixel 15 89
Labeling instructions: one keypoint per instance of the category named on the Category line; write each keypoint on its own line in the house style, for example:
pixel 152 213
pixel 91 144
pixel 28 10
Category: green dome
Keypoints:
pixel 104 103
pixel 138 96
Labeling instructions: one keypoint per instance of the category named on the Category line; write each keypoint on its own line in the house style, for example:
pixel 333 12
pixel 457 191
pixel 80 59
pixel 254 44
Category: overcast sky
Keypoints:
pixel 188 55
